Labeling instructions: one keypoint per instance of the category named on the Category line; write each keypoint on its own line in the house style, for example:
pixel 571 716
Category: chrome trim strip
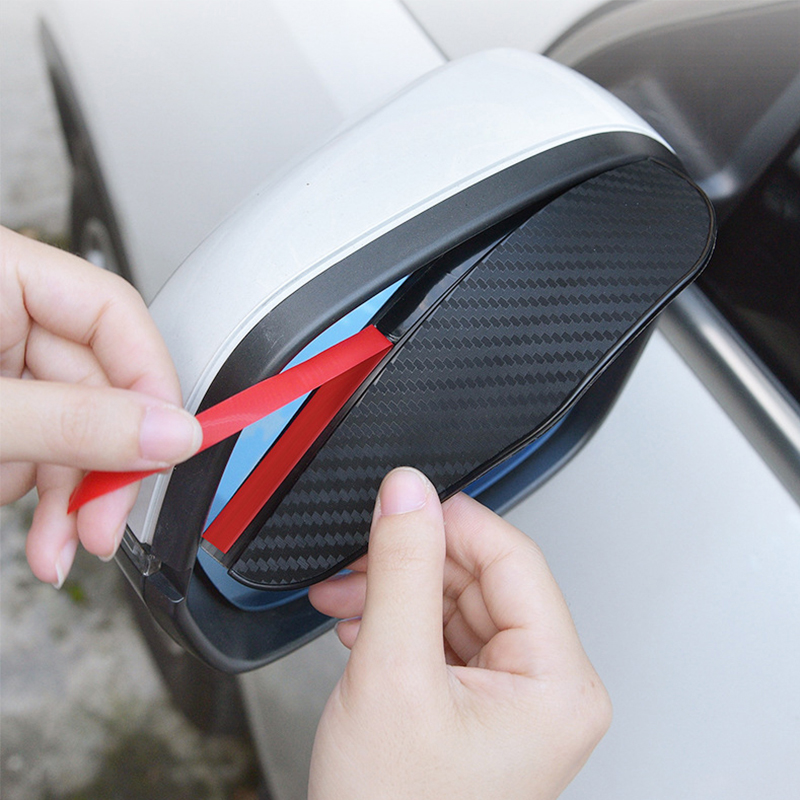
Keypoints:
pixel 762 409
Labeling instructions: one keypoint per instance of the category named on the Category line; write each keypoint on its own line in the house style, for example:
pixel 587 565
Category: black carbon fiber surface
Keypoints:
pixel 497 361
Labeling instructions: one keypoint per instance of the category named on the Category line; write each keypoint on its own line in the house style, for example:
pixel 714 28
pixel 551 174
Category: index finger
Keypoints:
pixel 82 303
pixel 517 589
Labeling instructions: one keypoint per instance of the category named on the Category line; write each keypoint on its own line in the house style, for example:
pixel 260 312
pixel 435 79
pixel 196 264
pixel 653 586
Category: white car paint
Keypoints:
pixel 462 27
pixel 192 104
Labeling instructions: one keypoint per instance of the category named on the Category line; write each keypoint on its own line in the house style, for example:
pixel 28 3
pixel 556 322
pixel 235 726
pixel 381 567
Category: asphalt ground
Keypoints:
pixel 83 711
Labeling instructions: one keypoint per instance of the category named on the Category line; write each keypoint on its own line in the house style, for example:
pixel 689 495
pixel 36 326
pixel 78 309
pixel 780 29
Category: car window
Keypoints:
pixel 754 276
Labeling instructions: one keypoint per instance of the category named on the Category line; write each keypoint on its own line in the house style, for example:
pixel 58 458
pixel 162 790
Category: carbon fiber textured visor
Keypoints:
pixel 493 343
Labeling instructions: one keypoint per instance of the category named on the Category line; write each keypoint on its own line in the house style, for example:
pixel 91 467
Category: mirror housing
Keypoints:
pixel 510 227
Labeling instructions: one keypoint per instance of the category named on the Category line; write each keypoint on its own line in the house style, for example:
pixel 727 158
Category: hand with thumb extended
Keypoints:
pixel 86 383
pixel 466 677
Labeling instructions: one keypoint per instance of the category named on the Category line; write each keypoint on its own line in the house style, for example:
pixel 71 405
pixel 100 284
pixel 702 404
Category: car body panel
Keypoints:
pixel 174 124
pixel 684 589
pixel 462 27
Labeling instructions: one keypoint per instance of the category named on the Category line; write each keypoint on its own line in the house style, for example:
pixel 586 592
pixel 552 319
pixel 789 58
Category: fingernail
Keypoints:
pixel 64 562
pixel 347 630
pixel 403 490
pixel 168 435
pixel 117 540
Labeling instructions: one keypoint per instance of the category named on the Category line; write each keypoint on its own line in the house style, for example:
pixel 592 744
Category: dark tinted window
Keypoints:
pixel 754 276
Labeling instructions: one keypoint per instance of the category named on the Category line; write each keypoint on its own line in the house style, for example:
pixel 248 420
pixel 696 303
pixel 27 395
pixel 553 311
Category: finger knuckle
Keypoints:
pixel 604 712
pixel 128 294
pixel 595 707
pixel 75 428
pixel 402 548
pixel 404 558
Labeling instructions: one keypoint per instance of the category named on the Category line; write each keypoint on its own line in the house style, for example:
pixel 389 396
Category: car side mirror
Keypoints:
pixel 509 228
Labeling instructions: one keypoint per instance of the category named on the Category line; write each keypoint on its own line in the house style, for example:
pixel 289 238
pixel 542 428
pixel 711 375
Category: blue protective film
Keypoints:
pixel 256 439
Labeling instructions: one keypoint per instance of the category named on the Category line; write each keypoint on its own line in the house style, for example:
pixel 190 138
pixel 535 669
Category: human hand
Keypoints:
pixel 503 704
pixel 87 383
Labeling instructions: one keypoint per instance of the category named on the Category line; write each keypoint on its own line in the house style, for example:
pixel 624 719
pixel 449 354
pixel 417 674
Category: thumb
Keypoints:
pixel 402 620
pixel 99 428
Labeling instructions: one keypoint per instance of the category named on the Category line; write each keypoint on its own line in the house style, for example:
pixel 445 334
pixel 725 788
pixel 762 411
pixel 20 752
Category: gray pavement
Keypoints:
pixel 83 712
pixel 34 169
